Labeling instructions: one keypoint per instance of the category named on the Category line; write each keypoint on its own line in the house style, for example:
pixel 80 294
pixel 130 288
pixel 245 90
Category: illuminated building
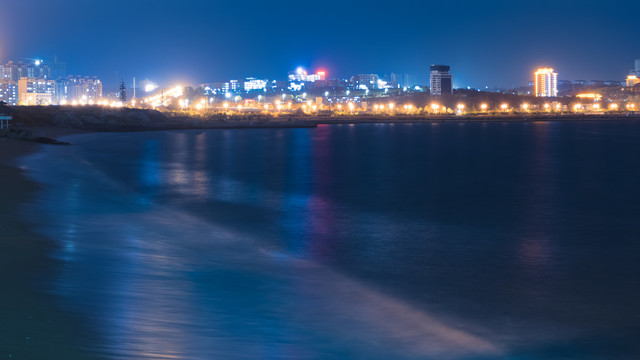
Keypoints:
pixel 441 80
pixel 231 86
pixel 253 84
pixel 632 80
pixel 33 91
pixel 301 75
pixel 78 88
pixel 9 92
pixel 366 81
pixel 546 82
pixel 14 71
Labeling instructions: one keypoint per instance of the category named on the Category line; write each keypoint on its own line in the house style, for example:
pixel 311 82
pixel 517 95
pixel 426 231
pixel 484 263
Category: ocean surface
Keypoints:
pixel 406 241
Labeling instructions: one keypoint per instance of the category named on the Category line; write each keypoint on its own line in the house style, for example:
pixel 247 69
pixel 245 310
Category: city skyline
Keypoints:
pixel 201 41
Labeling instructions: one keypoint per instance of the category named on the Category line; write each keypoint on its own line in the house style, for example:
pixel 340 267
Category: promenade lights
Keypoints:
pixel 613 107
pixel 596 106
pixel 381 107
pixel 547 107
pixel 339 106
pixel 525 106
pixel 435 107
pixel 391 106
pixel 631 106
pixel 460 107
pixel 558 106
pixel 225 105
pixel 239 107
pixel 504 107
pixel 375 107
pixel 483 107
pixel 577 107
pixel 351 106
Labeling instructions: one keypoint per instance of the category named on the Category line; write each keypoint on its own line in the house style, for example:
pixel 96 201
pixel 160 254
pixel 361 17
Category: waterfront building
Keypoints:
pixel 441 80
pixel 546 82
pixel 9 92
pixel 34 91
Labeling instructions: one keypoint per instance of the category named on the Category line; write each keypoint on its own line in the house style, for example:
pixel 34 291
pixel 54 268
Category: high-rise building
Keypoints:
pixel 34 91
pixel 14 71
pixel 441 80
pixel 546 82
pixel 78 88
pixel 8 92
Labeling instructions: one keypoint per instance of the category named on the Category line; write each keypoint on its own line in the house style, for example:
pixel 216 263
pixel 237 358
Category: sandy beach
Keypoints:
pixel 32 325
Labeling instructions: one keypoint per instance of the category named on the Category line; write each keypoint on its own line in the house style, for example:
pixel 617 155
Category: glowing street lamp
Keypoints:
pixel 577 107
pixel 483 107
pixel 525 106
pixel 613 107
pixel 391 106
pixel 504 107
pixel 547 107
pixel 435 107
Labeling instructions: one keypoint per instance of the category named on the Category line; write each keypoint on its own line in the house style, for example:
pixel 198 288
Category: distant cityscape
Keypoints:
pixel 36 82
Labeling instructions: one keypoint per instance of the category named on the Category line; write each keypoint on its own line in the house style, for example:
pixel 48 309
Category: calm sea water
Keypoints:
pixel 423 241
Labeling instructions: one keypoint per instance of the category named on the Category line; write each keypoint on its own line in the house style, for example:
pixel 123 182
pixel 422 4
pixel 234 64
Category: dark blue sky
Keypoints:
pixel 495 43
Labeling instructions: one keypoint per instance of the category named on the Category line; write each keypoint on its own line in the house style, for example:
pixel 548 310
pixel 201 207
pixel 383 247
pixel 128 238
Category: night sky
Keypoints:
pixel 494 43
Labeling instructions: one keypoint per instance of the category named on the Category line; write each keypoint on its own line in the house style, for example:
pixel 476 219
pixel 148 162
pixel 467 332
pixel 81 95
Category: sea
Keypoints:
pixel 460 240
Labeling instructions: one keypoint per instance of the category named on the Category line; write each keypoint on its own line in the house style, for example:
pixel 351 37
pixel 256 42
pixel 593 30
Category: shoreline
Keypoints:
pixel 32 323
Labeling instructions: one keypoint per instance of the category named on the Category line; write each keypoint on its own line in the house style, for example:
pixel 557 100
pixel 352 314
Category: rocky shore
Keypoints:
pixel 96 118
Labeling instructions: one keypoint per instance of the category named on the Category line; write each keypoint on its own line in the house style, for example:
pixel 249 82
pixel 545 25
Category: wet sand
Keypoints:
pixel 32 325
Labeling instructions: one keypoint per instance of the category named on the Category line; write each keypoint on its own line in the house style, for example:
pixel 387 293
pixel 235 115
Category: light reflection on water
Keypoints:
pixel 372 242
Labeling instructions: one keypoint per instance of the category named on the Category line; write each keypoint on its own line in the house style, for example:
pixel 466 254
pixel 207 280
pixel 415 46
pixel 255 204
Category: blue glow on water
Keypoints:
pixel 416 241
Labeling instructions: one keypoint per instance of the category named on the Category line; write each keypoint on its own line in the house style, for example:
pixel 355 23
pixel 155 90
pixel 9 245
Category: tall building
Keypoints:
pixel 78 88
pixel 441 80
pixel 9 92
pixel 638 67
pixel 546 82
pixel 34 91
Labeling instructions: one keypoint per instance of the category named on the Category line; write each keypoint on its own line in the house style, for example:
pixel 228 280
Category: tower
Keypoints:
pixel 441 80
pixel 546 82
